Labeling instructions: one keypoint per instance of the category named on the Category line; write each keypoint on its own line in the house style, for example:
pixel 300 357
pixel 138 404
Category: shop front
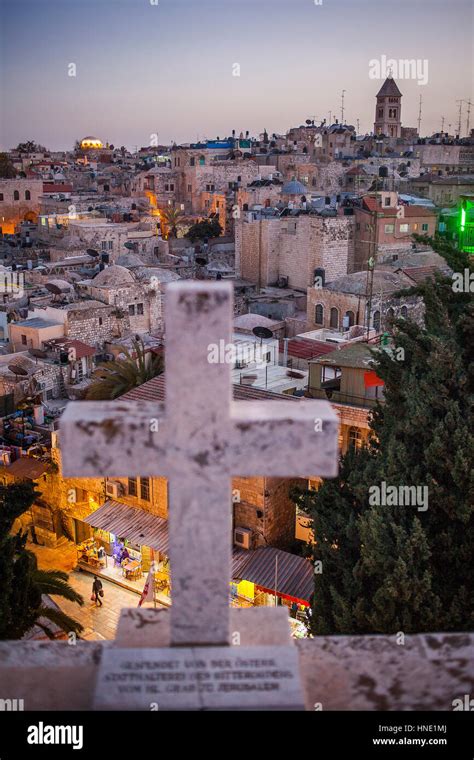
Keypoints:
pixel 122 544
pixel 269 577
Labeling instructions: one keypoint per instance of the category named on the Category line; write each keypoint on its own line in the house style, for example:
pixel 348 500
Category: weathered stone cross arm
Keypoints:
pixel 202 429
pixel 135 438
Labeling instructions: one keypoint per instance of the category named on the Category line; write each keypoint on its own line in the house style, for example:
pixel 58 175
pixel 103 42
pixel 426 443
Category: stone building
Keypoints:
pixel 110 238
pixel 287 249
pixel 444 191
pixel 345 377
pixel 133 297
pixel 343 302
pixel 19 201
pixel 383 226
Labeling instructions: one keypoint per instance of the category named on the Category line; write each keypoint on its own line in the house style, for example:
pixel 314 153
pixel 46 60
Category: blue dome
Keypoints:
pixel 293 188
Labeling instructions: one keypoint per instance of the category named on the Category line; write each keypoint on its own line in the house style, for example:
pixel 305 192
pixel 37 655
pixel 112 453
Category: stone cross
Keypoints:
pixel 199 442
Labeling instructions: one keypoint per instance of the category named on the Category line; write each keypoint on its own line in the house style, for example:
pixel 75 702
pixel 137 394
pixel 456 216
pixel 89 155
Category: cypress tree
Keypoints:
pixel 389 568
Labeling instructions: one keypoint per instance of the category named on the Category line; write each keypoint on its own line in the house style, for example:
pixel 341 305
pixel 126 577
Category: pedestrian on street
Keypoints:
pixel 97 591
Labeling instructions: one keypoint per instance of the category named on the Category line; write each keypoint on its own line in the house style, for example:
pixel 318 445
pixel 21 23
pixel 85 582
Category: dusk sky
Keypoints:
pixel 167 68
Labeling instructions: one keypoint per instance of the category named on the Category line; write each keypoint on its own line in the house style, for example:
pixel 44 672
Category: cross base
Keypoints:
pixel 259 671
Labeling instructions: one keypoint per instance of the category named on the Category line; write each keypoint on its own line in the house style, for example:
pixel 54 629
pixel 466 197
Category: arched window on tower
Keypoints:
pixel 319 314
pixel 376 320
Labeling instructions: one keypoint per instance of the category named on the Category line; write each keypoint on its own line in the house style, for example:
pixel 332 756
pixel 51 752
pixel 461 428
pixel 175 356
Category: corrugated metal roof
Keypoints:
pixel 154 390
pixel 302 348
pixel 294 576
pixel 137 525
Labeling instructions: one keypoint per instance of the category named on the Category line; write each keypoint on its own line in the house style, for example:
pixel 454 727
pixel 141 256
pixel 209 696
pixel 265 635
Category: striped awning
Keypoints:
pixel 292 576
pixel 136 525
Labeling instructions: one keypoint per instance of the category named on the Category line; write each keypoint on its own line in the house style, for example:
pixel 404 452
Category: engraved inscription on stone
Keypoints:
pixel 200 678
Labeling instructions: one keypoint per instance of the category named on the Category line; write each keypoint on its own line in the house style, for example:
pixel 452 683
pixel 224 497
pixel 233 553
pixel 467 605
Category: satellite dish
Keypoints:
pixel 53 288
pixel 17 369
pixel 262 332
pixel 200 261
pixel 92 252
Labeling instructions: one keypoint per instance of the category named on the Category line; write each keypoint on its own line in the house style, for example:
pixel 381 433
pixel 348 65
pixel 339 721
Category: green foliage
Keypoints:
pixel 113 379
pixel 7 170
pixel 203 230
pixel 23 584
pixel 30 146
pixel 395 568
pixel 172 217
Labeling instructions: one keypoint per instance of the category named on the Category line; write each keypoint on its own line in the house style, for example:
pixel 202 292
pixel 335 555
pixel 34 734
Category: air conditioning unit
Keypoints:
pixel 242 537
pixel 113 488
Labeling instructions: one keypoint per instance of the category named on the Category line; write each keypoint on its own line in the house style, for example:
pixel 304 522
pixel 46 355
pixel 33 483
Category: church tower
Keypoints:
pixel 388 111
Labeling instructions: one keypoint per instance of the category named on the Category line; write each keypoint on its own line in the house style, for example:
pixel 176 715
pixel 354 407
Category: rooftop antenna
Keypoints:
pixel 330 118
pixel 469 104
pixel 357 122
pixel 419 117
pixel 459 117
pixel 442 124
pixel 342 106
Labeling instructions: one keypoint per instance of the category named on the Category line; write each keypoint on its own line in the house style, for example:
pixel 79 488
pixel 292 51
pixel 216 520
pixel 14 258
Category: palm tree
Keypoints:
pixel 172 218
pixel 24 587
pixel 55 583
pixel 113 379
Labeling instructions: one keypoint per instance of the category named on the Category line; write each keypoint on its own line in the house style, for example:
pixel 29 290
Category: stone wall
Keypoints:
pixel 294 247
pixel 374 672
pixel 344 302
pixel 264 506
pixel 96 325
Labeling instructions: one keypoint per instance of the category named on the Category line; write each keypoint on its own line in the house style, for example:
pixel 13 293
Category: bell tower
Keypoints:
pixel 388 111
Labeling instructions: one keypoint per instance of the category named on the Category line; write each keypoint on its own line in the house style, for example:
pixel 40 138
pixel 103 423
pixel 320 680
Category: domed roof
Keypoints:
pixel 294 187
pixel 91 142
pixel 130 260
pixel 113 275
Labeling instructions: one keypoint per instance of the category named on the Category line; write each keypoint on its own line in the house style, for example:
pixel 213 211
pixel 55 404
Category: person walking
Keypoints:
pixel 97 591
